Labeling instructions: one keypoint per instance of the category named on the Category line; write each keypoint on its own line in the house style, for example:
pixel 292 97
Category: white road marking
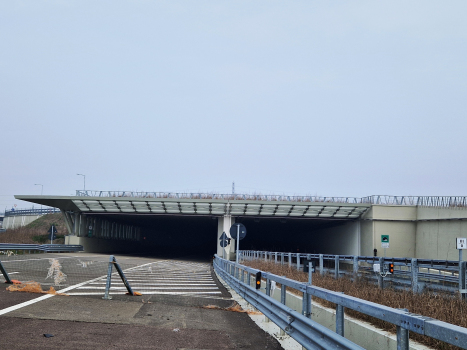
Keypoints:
pixel 165 293
pixel 47 296
pixel 170 277
pixel 148 288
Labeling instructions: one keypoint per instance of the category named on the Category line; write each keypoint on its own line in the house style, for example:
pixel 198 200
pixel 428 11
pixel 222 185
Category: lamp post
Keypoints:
pixel 84 179
pixel 42 190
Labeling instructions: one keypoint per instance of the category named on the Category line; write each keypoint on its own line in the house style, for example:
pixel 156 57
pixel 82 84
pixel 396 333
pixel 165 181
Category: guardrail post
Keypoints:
pixel 321 263
pixel 109 278
pixel 340 319
pixel 402 337
pixel 305 304
pixel 290 259
pixel 307 296
pixel 462 280
pixel 5 274
pixel 336 267
pixel 275 258
pixel 268 293
pixel 414 271
pixel 355 267
pixel 265 256
pixel 380 277
pixel 282 258
pixel 298 262
pixel 283 299
pixel 243 276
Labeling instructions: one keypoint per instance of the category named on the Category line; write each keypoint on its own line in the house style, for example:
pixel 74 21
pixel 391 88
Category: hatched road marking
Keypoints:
pixel 166 277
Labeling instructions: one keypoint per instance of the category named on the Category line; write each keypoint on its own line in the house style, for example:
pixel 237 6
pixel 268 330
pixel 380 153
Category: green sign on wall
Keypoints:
pixel 384 241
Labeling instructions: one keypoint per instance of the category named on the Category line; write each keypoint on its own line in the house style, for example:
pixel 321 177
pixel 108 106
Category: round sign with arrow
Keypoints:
pixel 240 228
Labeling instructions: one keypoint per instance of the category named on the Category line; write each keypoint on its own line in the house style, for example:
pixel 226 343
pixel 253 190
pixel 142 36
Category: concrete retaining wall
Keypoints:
pixel 10 222
pixel 419 232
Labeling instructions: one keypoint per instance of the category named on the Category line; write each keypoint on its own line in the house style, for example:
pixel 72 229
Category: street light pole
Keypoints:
pixel 84 179
pixel 42 190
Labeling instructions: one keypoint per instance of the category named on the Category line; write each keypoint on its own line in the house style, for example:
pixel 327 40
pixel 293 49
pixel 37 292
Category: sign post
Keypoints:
pixel 52 231
pixel 461 244
pixel 237 232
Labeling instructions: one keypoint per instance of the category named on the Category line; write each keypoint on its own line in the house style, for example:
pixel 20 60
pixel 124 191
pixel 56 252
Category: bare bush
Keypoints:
pixel 442 307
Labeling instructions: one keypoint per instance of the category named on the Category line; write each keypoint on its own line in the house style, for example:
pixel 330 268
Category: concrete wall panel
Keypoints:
pixel 398 212
pixel 10 222
pixel 437 239
pixel 425 213
pixel 366 238
pixel 401 238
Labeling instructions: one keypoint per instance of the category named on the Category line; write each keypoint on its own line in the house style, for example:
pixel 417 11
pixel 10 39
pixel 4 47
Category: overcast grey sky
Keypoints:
pixel 289 97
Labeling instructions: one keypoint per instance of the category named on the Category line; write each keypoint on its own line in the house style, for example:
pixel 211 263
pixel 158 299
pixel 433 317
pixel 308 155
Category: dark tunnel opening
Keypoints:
pixel 286 234
pixel 171 235
pixel 197 235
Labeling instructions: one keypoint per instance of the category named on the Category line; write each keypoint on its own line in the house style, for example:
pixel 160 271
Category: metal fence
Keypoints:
pixel 312 335
pixel 428 201
pixel 46 248
pixel 25 212
pixel 409 273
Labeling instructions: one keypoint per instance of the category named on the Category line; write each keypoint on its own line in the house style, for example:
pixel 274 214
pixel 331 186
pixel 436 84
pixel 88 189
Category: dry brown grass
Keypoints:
pixel 442 307
pixel 38 228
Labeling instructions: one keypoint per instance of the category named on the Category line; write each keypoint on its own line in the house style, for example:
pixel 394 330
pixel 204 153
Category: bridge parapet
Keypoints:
pixel 426 201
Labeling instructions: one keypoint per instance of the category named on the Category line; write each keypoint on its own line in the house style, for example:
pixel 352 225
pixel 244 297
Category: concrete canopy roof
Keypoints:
pixel 190 206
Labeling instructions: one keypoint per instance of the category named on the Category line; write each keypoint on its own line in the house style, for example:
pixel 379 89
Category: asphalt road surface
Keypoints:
pixel 171 313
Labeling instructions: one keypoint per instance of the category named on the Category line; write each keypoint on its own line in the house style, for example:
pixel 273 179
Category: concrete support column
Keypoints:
pixel 68 221
pixel 223 225
pixel 75 224
pixel 82 225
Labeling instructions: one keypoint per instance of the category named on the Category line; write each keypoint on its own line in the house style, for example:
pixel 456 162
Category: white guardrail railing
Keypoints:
pixel 311 334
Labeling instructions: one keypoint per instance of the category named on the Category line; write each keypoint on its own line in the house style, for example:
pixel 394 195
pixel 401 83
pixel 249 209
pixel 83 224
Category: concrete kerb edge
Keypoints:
pixel 271 328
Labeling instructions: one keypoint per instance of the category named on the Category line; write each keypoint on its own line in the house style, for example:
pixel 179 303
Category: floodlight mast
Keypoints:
pixel 84 179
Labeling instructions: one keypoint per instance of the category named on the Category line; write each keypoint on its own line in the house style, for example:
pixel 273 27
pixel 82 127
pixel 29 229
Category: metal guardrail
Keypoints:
pixel 409 273
pixel 47 248
pixel 25 212
pixel 428 201
pixel 308 333
pixel 305 330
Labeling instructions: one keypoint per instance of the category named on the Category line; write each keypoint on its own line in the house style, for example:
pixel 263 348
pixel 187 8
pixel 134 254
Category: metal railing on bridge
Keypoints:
pixel 311 334
pixel 409 273
pixel 427 201
pixel 27 212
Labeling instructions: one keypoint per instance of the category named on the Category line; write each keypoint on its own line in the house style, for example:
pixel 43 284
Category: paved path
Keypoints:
pixel 171 314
